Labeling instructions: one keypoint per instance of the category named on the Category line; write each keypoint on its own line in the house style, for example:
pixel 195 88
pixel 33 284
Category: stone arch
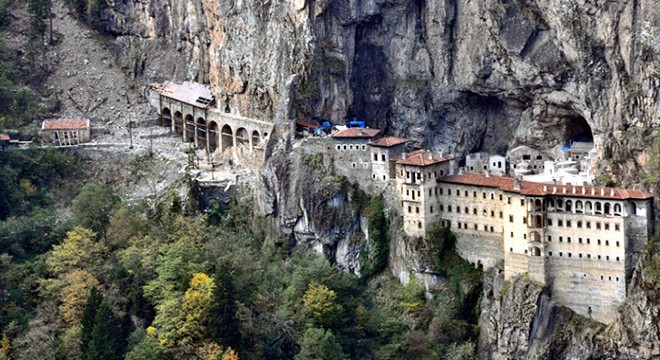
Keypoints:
pixel 599 208
pixel 536 251
pixel 632 208
pixel 538 221
pixel 166 117
pixel 538 205
pixel 551 204
pixel 201 133
pixel 617 209
pixel 178 122
pixel 213 136
pixel 536 237
pixel 607 208
pixel 256 138
pixel 242 137
pixel 588 207
pixel 579 207
pixel 227 138
pixel 189 128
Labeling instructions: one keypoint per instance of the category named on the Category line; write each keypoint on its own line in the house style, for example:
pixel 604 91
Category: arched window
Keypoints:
pixel 599 208
pixel 560 205
pixel 551 204
pixel 588 207
pixel 617 209
pixel 569 206
pixel 578 206
pixel 608 209
pixel 538 221
pixel 538 205
pixel 536 251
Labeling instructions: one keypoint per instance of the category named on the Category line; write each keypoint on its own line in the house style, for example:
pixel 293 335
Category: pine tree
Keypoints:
pixel 223 326
pixel 87 322
pixel 106 341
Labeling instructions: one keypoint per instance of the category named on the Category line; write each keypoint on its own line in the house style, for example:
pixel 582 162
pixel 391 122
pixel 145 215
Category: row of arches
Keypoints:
pixel 581 207
pixel 207 135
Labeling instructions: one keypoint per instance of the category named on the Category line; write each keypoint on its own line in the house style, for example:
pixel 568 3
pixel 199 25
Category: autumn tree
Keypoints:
pixel 78 250
pixel 320 304
pixel 77 286
pixel 5 348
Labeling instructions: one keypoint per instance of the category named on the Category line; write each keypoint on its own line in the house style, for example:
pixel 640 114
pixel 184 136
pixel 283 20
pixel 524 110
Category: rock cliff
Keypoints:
pixel 519 321
pixel 451 75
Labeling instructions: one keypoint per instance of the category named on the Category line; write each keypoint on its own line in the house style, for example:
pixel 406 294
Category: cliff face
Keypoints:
pixel 451 75
pixel 518 320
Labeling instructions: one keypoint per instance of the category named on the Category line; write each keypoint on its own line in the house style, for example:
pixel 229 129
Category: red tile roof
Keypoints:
pixel 538 189
pixel 389 141
pixel 421 158
pixel 188 92
pixel 4 137
pixel 356 133
pixel 65 124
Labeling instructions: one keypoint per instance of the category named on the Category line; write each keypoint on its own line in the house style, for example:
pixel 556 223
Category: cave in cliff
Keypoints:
pixel 576 128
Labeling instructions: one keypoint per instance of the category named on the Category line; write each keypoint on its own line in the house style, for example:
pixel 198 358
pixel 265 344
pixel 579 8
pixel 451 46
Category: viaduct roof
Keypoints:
pixel 388 141
pixel 537 189
pixel 191 93
pixel 65 124
pixel 356 132
pixel 421 158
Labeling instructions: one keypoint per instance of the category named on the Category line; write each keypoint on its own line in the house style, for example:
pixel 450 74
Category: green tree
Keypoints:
pixel 319 344
pixel 375 260
pixel 87 322
pixel 223 325
pixel 106 342
pixel 93 206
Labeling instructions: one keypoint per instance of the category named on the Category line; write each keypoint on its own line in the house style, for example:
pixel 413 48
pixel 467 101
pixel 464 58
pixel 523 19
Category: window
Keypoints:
pixel 561 254
pixel 458 209
pixel 597 226
pixel 441 190
pixel 419 224
pixel 598 257
pixel 617 259
pixel 492 213
pixel 607 258
pixel 588 256
pixel 560 223
pixel 492 196
pixel 568 223
pixel 485 227
pixel 569 254
pixel 598 241
pixel 501 197
pixel 588 241
pixel 549 238
pixel 568 239
pixel 522 202
pixel 476 227
pixel 474 211
pixel 501 215
pixel 617 244
pixel 580 255
pixel 510 218
pixel 466 193
pixel 458 192
pixel 601 277
pixel 375 157
pixel 417 209
pixel 382 156
pixel 431 209
pixel 460 225
pixel 354 165
pixel 549 221
pixel 512 234
pixel 442 208
pixel 492 229
pixel 579 224
pixel 524 220
pixel 508 199
pixel 448 208
pixel 448 192
pixel 484 195
pixel 474 194
pixel 524 236
pixel 580 240
pixel 467 211
pixel 510 249
pixel 561 239
pixel 409 209
pixel 607 226
pixel 607 243
pixel 588 224
pixel 550 253
pixel 616 227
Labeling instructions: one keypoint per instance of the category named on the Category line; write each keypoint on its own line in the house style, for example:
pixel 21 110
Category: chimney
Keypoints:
pixel 487 173
pixel 404 156
pixel 461 171
pixel 360 132
pixel 545 188
pixel 554 189
pixel 430 156
pixel 442 153
pixel 584 190
pixel 516 184
pixel 612 192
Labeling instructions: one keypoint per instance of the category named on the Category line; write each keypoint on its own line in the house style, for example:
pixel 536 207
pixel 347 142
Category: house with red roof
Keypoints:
pixel 66 132
pixel 382 152
pixel 351 156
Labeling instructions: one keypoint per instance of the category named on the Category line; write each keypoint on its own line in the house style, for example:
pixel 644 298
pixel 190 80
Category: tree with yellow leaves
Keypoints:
pixel 5 348
pixel 73 296
pixel 319 303
pixel 78 250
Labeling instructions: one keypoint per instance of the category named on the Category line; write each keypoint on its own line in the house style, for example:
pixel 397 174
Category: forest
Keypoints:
pixel 86 276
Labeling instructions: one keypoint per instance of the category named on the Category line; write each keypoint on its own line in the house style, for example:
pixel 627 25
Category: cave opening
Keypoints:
pixel 576 129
